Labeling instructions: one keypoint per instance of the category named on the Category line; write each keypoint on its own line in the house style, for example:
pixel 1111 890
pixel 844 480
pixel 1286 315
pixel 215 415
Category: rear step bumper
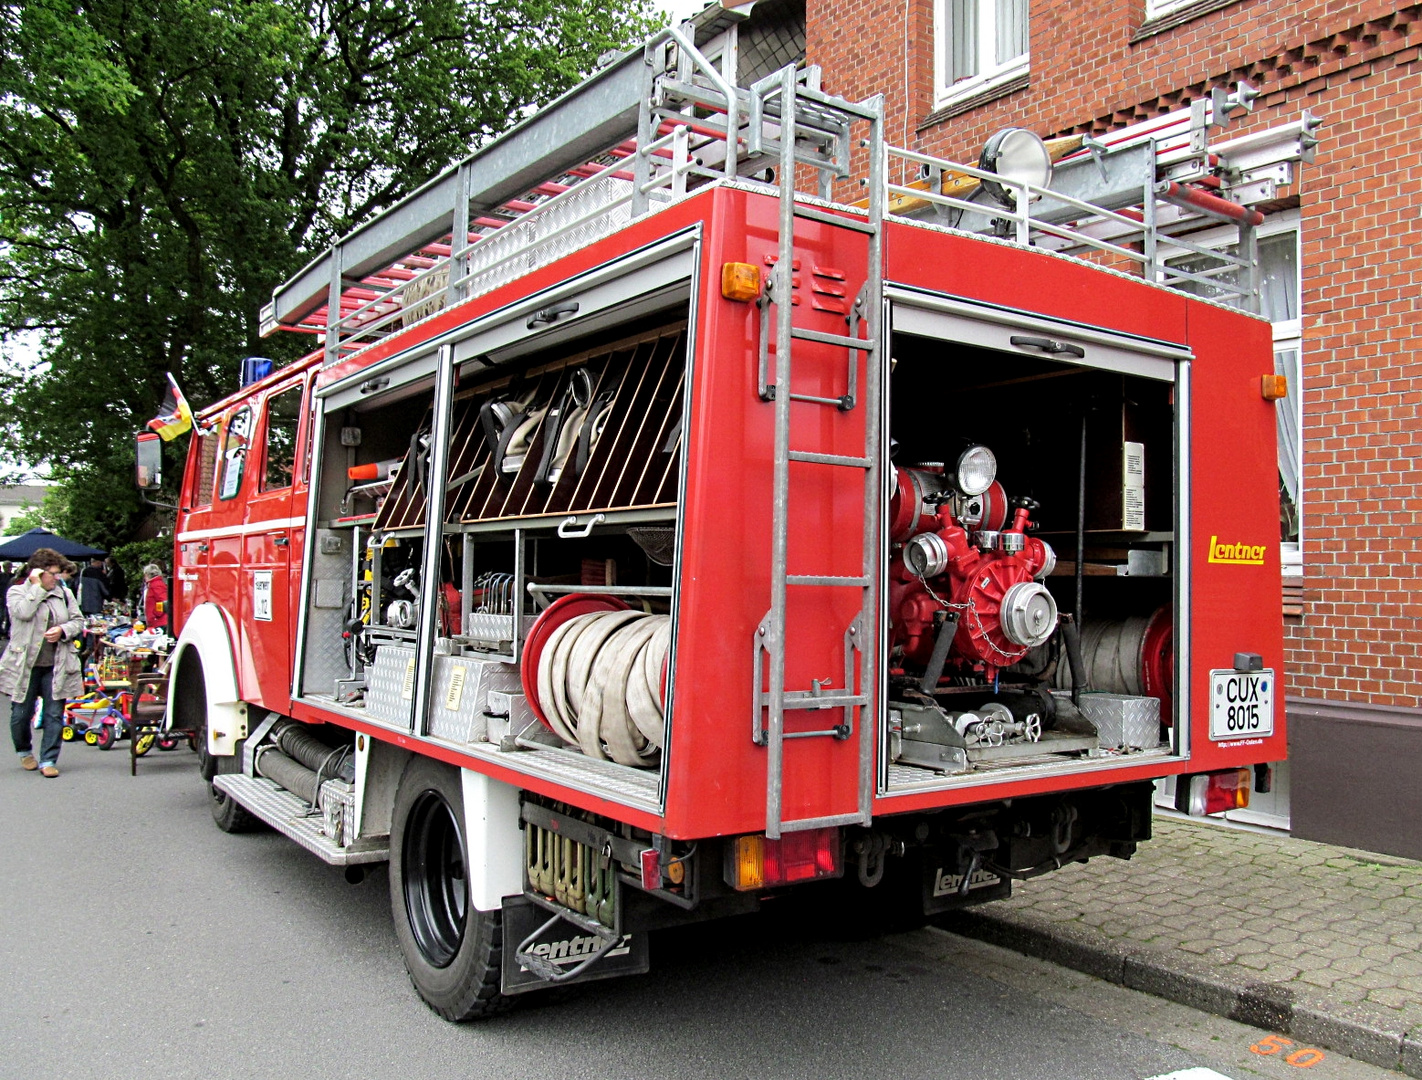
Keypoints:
pixel 289 815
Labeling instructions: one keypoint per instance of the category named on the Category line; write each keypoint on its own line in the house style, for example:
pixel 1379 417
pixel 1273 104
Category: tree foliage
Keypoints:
pixel 164 165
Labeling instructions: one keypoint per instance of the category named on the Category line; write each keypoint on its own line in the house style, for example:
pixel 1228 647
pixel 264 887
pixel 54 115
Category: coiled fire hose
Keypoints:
pixel 600 684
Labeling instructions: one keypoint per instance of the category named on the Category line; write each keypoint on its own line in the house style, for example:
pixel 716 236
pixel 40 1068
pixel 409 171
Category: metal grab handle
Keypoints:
pixel 372 385
pixel 1048 345
pixel 551 313
pixel 567 532
pixel 281 541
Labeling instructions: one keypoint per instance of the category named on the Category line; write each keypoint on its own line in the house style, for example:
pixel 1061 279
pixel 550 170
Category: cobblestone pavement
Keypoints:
pixel 1320 943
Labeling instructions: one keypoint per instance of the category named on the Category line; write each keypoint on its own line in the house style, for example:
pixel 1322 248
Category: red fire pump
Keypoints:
pixel 965 576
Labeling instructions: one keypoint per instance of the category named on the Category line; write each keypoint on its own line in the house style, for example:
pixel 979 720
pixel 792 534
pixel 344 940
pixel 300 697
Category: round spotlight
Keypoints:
pixel 976 470
pixel 1015 154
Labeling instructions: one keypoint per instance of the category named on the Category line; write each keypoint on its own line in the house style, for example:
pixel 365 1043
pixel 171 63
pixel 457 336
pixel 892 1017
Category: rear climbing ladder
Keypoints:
pixel 810 128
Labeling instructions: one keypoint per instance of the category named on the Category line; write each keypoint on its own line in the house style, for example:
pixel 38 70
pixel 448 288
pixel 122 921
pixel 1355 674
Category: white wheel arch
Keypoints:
pixel 207 639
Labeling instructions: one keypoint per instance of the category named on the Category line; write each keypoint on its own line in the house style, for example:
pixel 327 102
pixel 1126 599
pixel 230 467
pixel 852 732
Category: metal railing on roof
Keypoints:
pixel 665 119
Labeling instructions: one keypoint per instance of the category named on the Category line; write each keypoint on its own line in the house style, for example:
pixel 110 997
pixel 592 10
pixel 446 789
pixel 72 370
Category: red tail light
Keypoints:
pixel 756 862
pixel 1213 793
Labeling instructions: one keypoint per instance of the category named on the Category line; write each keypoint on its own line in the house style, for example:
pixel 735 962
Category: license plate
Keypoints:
pixel 1241 704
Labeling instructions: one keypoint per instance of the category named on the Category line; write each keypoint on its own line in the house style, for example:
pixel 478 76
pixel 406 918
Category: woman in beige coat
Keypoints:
pixel 39 662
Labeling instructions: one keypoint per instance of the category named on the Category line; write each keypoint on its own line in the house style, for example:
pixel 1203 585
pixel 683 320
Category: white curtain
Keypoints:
pixel 1286 363
pixel 1011 20
pixel 962 39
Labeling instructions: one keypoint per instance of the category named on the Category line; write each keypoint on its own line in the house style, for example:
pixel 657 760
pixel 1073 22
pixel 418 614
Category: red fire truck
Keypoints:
pixel 649 537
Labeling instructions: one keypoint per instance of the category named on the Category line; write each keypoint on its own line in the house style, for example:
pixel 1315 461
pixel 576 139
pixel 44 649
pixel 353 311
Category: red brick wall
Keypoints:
pixel 1355 65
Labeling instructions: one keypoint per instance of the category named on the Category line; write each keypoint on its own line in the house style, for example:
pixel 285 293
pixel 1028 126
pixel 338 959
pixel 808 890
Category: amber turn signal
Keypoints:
pixel 740 281
pixel 1274 387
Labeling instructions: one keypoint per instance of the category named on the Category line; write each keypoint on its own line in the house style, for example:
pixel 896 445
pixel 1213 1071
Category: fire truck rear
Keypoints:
pixel 649 538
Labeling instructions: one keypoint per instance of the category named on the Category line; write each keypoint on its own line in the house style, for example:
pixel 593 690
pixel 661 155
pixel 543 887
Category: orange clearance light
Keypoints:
pixel 747 863
pixel 1274 387
pixel 740 281
pixel 757 862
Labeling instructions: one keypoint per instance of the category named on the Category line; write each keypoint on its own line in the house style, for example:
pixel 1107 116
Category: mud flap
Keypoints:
pixel 943 886
pixel 564 946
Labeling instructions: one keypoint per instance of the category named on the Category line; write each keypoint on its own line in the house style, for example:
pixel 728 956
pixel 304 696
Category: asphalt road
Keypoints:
pixel 139 941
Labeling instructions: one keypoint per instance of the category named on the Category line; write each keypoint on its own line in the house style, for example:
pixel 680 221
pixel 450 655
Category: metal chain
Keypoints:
pixel 977 624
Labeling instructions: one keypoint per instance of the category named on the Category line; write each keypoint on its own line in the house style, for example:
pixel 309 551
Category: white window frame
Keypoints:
pixel 1288 335
pixel 1158 9
pixel 990 73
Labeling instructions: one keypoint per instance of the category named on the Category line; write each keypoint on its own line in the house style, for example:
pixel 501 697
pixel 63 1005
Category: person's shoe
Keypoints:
pixel 29 763
pixel 49 771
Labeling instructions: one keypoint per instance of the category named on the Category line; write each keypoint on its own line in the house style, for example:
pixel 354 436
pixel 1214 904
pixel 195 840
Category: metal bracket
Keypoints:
pixel 803 700
pixel 546 969
pixel 254 740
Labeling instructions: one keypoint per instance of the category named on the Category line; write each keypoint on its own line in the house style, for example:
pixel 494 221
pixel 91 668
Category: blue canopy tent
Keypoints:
pixel 27 543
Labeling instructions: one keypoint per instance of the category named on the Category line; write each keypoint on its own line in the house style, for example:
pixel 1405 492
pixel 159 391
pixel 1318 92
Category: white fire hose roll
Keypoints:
pixel 599 684
pixel 604 719
pixel 644 686
pixel 553 704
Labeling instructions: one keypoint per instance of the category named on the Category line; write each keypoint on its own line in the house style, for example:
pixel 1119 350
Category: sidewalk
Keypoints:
pixel 1322 944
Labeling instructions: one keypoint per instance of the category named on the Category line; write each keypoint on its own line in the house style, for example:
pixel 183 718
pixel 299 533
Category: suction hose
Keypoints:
pixel 301 763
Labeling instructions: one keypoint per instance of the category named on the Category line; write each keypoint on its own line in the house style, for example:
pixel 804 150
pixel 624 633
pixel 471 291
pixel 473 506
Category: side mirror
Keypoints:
pixel 148 460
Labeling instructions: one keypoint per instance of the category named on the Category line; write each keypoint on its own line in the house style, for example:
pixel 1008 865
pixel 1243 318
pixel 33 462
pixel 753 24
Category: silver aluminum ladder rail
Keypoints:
pixel 814 129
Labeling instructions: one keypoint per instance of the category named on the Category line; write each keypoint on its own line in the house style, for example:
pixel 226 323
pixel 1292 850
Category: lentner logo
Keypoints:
pixel 1236 554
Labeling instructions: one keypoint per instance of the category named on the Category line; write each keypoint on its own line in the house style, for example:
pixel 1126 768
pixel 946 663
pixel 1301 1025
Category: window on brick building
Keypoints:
pixel 1158 9
pixel 980 45
pixel 1279 303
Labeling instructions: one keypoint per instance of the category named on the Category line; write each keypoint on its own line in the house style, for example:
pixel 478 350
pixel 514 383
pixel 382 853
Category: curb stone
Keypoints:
pixel 1360 1034
pixel 1412 1053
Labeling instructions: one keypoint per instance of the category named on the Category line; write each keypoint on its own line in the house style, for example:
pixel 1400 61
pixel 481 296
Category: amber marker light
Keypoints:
pixel 740 281
pixel 747 862
pixel 1274 387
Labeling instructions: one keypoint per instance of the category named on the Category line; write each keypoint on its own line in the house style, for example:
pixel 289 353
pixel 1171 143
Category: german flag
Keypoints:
pixel 174 416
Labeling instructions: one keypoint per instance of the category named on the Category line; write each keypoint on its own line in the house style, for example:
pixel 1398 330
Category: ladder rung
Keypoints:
pixel 829 459
pixel 842 403
pixel 835 219
pixel 842 340
pixel 802 824
pixel 796 700
pixel 827 579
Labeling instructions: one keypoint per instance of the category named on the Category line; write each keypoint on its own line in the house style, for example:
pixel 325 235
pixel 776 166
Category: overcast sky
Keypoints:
pixel 680 9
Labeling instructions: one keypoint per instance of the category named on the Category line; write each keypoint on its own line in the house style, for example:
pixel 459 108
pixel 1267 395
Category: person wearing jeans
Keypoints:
pixel 38 663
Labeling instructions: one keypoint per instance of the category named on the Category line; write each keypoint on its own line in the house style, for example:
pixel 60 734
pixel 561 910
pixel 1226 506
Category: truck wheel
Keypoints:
pixel 190 711
pixel 230 815
pixel 452 951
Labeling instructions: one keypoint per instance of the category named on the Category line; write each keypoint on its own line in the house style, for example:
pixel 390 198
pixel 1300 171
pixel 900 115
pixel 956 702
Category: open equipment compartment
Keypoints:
pixel 1008 551
pixel 555 462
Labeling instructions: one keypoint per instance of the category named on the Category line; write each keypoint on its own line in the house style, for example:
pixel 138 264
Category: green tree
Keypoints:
pixel 164 165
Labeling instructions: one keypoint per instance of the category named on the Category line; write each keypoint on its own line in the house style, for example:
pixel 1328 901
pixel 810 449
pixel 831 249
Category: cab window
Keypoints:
pixel 283 421
pixel 236 441
pixel 205 455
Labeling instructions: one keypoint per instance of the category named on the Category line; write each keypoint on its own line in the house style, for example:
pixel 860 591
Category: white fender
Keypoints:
pixel 206 638
pixel 491 833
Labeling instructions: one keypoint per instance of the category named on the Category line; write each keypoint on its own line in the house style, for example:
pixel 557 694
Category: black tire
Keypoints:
pixel 452 951
pixel 107 736
pixel 190 710
pixel 230 815
pixel 190 713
